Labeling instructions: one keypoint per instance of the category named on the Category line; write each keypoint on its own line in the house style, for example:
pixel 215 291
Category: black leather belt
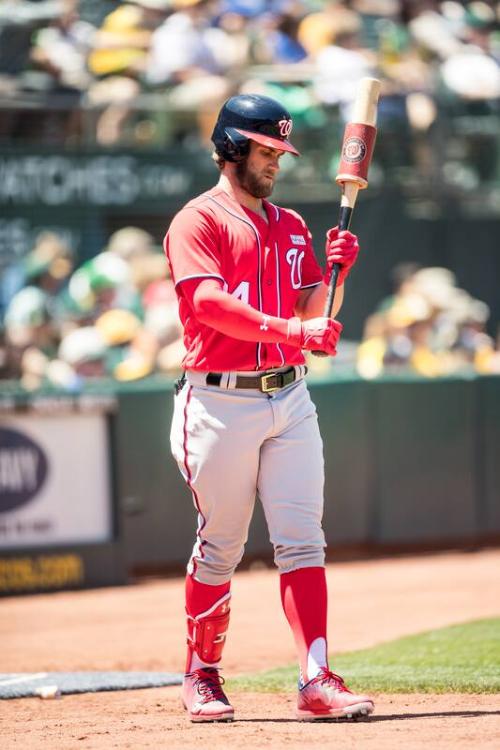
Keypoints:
pixel 267 382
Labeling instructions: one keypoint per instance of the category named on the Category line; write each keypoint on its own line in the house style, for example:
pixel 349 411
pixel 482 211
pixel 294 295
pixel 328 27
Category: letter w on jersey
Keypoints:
pixel 294 259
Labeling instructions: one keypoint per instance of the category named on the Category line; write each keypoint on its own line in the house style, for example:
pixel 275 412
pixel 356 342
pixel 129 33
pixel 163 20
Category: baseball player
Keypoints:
pixel 251 295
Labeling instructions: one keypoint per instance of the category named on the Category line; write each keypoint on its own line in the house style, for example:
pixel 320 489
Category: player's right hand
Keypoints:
pixel 316 334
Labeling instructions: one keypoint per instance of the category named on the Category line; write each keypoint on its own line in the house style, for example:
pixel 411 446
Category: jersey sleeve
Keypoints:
pixel 192 248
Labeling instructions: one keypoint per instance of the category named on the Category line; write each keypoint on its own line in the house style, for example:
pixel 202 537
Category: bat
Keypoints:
pixel 357 150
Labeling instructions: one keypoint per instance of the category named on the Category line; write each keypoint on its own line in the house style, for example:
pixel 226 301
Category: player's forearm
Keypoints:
pixel 312 301
pixel 216 308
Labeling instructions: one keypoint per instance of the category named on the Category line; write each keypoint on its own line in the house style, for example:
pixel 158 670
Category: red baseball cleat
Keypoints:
pixel 327 697
pixel 203 696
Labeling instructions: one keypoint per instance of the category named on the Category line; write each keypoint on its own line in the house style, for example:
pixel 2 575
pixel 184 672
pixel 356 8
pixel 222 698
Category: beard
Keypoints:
pixel 259 187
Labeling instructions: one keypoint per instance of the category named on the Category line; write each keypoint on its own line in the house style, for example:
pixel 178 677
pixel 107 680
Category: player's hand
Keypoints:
pixel 342 248
pixel 316 334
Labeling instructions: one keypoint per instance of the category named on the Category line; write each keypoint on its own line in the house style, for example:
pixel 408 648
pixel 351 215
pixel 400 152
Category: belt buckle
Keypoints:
pixel 264 383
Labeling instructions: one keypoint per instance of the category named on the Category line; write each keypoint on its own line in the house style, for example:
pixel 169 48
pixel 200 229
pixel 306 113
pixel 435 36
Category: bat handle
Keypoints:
pixel 345 214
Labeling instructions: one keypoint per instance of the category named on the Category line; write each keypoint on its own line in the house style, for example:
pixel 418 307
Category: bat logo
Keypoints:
pixel 285 127
pixel 354 150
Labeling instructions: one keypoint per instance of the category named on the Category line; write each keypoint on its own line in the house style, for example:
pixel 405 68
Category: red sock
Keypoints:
pixel 202 596
pixel 304 599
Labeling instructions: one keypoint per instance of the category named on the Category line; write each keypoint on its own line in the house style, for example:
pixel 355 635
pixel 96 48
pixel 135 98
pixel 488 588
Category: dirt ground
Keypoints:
pixel 141 628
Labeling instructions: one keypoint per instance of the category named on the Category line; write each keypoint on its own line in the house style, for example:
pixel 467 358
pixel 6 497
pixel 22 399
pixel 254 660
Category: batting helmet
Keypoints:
pixel 251 117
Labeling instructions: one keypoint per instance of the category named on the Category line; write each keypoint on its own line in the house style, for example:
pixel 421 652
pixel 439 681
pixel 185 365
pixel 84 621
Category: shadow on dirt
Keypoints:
pixel 373 719
pixel 435 715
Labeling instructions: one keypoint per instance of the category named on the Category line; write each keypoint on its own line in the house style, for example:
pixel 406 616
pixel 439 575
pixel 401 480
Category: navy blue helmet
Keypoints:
pixel 251 117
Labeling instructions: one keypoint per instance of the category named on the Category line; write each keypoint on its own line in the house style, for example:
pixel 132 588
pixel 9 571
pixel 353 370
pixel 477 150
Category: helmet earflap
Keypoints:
pixel 236 146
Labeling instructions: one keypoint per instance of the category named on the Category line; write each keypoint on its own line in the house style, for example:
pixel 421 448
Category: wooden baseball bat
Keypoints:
pixel 357 150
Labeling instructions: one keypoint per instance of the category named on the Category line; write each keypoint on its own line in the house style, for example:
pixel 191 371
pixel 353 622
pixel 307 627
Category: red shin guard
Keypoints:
pixel 207 609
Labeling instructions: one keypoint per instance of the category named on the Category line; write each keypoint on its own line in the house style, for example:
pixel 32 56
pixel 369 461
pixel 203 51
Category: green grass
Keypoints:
pixel 458 659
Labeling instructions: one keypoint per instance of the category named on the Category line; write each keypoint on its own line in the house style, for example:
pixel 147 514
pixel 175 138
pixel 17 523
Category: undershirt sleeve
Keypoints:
pixel 191 247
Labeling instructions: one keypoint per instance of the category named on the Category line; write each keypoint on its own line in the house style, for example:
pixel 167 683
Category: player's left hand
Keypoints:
pixel 342 248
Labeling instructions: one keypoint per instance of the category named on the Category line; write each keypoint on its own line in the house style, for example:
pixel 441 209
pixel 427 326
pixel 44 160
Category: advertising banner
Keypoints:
pixel 55 485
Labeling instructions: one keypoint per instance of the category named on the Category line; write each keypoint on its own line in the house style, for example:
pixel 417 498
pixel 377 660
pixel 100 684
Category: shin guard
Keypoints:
pixel 207 631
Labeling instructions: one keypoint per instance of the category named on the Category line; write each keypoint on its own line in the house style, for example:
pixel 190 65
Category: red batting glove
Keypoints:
pixel 316 334
pixel 342 248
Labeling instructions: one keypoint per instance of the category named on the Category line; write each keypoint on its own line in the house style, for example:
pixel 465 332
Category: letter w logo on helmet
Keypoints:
pixel 285 128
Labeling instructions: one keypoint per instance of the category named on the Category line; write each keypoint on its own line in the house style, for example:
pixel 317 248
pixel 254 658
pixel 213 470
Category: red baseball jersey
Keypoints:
pixel 265 264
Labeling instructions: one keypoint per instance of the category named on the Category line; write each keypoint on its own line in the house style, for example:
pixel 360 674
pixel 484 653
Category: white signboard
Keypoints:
pixel 54 480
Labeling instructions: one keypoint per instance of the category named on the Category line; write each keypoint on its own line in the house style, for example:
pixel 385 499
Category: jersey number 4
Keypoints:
pixel 241 292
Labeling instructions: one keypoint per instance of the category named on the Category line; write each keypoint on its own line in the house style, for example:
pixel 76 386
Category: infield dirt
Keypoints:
pixel 141 628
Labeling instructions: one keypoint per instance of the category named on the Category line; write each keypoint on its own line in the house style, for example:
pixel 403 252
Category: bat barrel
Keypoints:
pixel 365 106
pixel 359 135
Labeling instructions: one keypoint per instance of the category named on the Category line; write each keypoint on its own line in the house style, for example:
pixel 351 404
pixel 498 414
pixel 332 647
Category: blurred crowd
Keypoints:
pixel 116 316
pixel 429 326
pixel 195 53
